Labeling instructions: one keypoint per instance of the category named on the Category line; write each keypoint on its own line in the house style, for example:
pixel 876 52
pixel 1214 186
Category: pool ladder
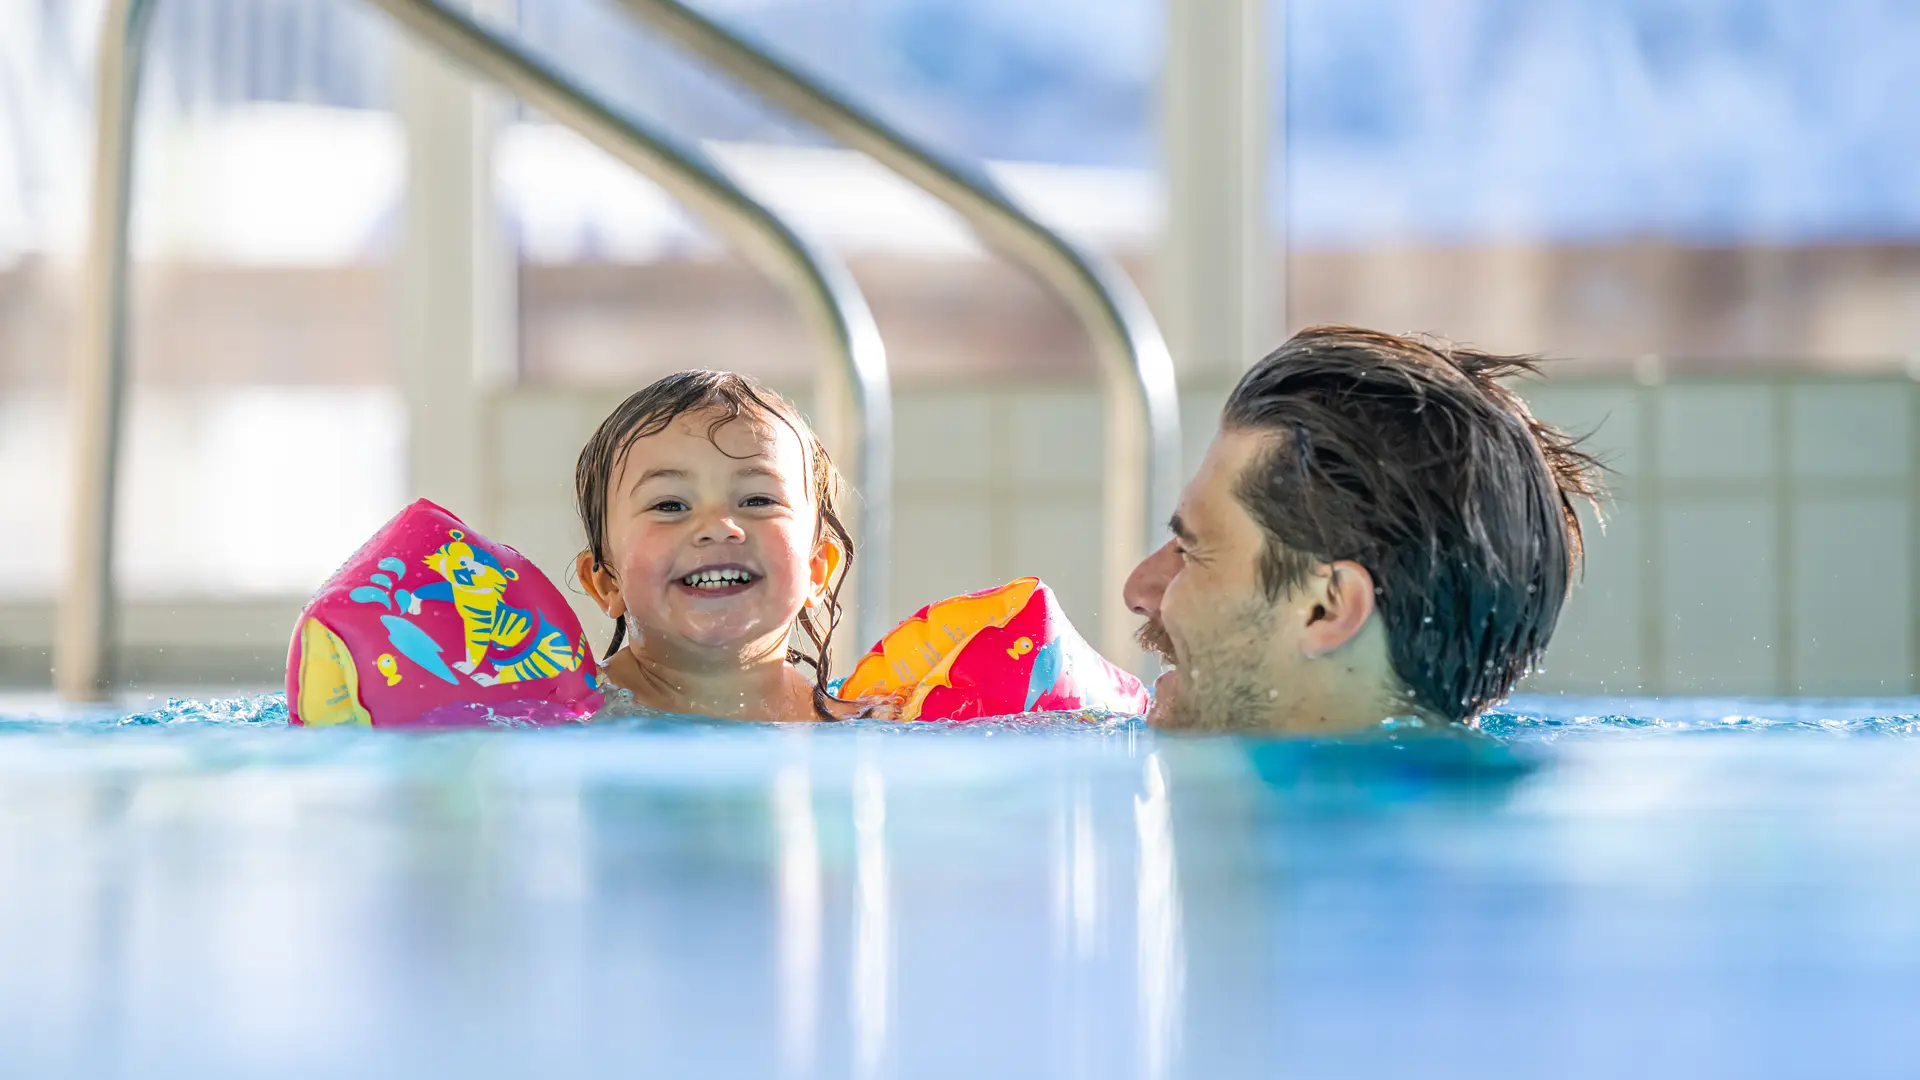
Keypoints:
pixel 1137 382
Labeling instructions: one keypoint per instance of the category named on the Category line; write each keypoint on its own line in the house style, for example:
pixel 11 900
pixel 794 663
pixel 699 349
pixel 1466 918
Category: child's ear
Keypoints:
pixel 600 584
pixel 827 557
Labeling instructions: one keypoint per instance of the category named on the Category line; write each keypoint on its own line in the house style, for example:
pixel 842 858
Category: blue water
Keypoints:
pixel 1608 887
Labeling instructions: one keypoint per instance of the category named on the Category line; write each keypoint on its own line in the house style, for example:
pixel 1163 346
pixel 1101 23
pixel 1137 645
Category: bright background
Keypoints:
pixel 1710 208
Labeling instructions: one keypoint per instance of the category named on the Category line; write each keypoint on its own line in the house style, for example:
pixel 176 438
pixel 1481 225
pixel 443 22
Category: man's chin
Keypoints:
pixel 1164 712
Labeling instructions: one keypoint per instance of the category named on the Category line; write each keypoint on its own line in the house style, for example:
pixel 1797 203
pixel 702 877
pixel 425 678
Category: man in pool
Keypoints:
pixel 1379 529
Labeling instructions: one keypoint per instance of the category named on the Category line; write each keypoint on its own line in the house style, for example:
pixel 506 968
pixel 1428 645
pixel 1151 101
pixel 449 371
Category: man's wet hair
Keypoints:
pixel 1410 458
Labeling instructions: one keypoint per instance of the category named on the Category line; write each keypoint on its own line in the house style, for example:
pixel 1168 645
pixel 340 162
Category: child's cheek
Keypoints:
pixel 646 567
pixel 793 560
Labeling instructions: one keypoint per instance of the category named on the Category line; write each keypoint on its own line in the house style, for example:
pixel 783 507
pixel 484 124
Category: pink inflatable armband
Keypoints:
pixel 431 624
pixel 994 653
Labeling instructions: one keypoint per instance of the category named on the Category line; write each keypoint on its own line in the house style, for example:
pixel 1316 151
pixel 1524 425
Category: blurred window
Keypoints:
pixel 1724 181
pixel 1716 181
pixel 265 428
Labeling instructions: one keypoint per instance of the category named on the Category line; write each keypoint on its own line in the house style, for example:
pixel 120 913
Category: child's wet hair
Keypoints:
pixel 728 396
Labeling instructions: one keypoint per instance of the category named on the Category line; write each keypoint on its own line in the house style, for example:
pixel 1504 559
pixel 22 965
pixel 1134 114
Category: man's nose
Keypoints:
pixel 1148 582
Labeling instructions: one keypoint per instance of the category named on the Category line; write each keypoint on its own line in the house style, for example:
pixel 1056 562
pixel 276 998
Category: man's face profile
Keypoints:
pixel 1344 454
pixel 1207 615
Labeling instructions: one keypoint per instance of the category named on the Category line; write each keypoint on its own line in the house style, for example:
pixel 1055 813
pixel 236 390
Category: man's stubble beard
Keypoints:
pixel 1224 685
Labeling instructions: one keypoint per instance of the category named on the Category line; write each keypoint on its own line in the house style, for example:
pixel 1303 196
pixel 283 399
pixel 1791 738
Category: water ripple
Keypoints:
pixel 1536 718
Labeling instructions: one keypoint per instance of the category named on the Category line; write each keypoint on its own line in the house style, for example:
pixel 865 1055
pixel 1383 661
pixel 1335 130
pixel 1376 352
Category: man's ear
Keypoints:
pixel 600 584
pixel 1337 601
pixel 827 557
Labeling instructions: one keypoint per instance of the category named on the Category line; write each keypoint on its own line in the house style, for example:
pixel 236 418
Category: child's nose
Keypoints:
pixel 719 528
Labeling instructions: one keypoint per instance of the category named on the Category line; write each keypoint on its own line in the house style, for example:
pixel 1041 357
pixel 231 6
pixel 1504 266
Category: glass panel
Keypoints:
pixel 621 286
pixel 1728 181
pixel 268 175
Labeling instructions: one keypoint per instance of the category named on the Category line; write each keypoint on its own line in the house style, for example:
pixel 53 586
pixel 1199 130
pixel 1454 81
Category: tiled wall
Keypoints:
pixel 1760 538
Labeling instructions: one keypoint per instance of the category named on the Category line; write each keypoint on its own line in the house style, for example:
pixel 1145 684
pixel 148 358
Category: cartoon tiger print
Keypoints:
pixel 476 584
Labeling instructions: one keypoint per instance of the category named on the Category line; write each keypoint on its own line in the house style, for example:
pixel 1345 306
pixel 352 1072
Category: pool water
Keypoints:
pixel 1607 888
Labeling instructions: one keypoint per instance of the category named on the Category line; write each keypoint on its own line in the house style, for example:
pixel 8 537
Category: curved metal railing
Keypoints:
pixel 858 399
pixel 1142 403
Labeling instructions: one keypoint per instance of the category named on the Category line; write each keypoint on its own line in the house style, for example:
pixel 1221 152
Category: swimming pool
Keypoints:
pixel 1618 887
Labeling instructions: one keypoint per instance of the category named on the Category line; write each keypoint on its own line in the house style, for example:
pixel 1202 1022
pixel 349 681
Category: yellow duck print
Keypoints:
pixel 476 584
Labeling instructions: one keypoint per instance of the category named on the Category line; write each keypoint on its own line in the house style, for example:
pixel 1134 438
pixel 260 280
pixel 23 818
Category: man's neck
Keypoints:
pixel 1337 714
pixel 1333 717
pixel 1346 692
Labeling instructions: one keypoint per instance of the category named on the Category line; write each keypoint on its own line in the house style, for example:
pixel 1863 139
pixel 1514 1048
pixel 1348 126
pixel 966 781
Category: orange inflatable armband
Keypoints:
pixel 994 653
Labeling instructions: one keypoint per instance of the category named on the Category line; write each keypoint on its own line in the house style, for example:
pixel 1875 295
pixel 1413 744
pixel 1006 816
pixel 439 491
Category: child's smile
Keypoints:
pixel 715 581
pixel 711 534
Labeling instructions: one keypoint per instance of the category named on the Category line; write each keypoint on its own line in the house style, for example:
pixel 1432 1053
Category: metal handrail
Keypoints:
pixel 858 400
pixel 85 627
pixel 1142 402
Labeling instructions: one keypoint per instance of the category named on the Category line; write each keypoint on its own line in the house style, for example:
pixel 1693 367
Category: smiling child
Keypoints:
pixel 713 543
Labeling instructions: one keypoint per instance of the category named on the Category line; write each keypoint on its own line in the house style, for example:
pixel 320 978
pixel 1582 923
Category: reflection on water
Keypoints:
pixel 872 947
pixel 800 904
pixel 1162 963
pixel 1081 872
pixel 208 893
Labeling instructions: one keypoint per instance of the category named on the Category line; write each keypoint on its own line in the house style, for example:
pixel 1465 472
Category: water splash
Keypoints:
pixel 1546 719
pixel 264 709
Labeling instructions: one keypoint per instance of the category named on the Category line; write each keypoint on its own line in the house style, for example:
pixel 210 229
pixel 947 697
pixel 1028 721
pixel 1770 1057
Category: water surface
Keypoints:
pixel 1608 887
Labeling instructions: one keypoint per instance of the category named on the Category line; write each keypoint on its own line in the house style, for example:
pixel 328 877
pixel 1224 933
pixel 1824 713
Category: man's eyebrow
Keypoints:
pixel 657 474
pixel 1178 525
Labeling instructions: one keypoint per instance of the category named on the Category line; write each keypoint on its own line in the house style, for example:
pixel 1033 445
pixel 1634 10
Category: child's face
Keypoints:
pixel 712 546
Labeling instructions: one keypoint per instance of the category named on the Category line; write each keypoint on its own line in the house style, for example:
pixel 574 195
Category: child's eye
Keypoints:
pixel 759 500
pixel 669 506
